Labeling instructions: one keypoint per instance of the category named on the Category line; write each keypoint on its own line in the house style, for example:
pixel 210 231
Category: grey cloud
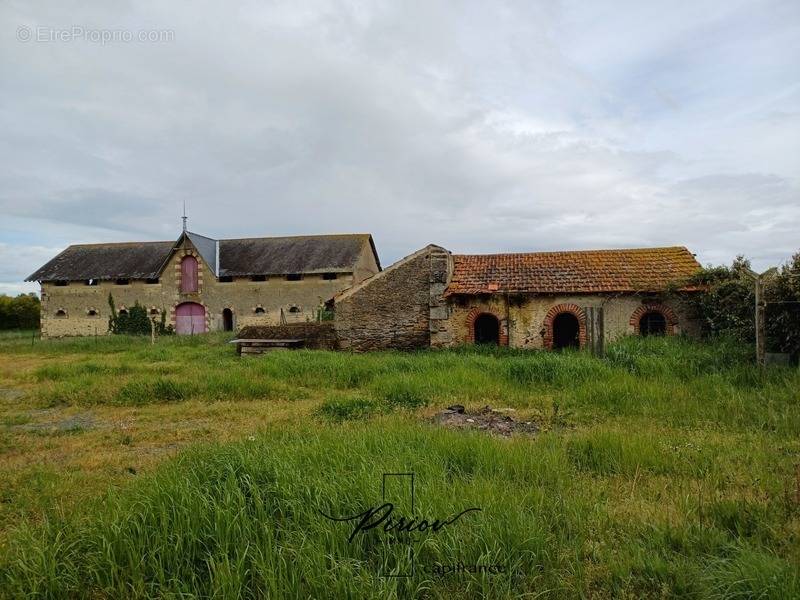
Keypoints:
pixel 491 128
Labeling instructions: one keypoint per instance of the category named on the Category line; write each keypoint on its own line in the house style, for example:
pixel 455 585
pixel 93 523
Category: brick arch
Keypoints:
pixel 669 316
pixel 574 309
pixel 473 314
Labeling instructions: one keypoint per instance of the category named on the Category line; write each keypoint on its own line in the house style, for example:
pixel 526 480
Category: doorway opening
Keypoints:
pixel 227 320
pixel 487 329
pixel 566 330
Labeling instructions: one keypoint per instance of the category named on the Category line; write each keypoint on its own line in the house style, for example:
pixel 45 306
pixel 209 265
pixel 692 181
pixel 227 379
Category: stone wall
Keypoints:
pixel 524 321
pixel 242 296
pixel 393 308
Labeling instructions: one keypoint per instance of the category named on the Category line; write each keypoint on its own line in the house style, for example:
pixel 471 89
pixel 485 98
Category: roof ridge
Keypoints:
pixel 640 249
pixel 284 237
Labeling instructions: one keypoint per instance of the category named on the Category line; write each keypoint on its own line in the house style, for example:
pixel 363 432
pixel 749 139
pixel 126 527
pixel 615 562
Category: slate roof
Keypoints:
pixel 237 257
pixel 582 271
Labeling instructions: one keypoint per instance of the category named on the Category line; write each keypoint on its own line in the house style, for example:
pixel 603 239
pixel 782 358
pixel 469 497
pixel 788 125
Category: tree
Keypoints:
pixel 22 312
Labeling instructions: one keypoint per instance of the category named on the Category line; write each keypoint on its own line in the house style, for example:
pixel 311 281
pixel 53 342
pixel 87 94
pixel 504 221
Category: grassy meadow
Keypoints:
pixel 669 468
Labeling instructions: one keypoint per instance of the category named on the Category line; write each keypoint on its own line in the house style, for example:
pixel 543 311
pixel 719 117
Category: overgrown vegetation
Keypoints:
pixel 726 307
pixel 668 468
pixel 135 321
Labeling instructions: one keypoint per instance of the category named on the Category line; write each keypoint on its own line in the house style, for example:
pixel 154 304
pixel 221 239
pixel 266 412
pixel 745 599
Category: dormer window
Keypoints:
pixel 188 274
pixel 122 281
pixel 294 277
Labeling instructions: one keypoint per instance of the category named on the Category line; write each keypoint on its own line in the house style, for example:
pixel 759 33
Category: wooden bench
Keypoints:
pixel 253 346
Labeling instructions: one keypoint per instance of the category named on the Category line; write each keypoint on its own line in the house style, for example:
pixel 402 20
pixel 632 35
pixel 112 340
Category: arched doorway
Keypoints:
pixel 227 319
pixel 566 331
pixel 190 318
pixel 487 329
pixel 652 323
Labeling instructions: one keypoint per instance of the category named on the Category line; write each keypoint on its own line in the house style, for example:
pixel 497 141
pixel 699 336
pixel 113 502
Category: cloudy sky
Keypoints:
pixel 481 126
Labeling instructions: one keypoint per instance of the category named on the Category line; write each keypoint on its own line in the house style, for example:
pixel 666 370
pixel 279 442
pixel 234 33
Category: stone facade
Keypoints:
pixel 527 321
pixel 407 306
pixel 81 309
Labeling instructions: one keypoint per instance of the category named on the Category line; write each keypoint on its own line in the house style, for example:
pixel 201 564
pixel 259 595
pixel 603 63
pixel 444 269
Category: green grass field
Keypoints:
pixel 669 468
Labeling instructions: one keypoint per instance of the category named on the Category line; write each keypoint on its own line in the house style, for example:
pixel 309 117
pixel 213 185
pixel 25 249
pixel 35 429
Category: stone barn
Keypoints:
pixel 544 300
pixel 202 284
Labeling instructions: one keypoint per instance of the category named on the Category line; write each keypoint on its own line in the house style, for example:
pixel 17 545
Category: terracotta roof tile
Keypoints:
pixel 582 271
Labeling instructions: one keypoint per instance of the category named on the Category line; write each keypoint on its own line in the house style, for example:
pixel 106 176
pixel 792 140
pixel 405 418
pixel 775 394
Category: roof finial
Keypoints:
pixel 184 217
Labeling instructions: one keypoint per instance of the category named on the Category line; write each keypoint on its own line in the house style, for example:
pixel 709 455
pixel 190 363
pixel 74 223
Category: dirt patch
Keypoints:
pixel 496 421
pixel 74 423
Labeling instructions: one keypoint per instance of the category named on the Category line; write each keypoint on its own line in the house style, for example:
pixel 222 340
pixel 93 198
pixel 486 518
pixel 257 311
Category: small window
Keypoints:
pixel 329 276
pixel 122 281
pixel 154 312
pixel 123 311
pixel 152 280
pixel 226 279
pixel 61 313
pixel 260 310
pixel 92 282
pixel 258 278
pixel 62 283
pixel 92 313
pixel 294 309
pixel 294 277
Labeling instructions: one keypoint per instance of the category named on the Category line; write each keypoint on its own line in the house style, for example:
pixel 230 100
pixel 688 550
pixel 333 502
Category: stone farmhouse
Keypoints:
pixel 432 298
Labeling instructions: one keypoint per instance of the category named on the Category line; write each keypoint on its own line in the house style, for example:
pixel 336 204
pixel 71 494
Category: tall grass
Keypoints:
pixel 244 520
pixel 665 469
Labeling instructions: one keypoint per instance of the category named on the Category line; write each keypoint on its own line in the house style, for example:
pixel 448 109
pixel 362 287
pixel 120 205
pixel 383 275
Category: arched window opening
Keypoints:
pixel 652 323
pixel 227 319
pixel 92 312
pixel 487 329
pixel 566 331
pixel 154 312
pixel 294 309
pixel 61 313
pixel 260 310
pixel 188 274
pixel 123 311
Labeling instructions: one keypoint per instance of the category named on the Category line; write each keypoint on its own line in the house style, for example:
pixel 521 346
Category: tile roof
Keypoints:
pixel 581 271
